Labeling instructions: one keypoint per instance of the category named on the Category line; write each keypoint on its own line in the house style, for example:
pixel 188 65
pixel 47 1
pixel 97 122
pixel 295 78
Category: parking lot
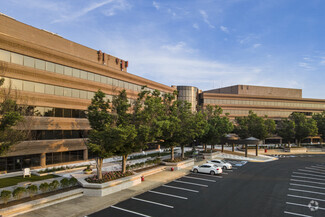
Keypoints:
pixel 280 188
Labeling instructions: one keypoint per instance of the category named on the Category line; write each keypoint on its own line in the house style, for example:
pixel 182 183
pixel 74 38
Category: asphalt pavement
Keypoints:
pixel 291 186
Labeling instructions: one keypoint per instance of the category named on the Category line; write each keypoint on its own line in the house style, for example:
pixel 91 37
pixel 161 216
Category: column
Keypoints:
pixel 86 154
pixel 43 160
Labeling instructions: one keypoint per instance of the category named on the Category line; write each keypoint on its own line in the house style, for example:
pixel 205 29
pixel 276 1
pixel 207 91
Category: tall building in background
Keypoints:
pixel 58 77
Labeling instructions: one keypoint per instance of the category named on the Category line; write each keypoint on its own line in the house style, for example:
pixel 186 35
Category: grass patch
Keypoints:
pixel 6 182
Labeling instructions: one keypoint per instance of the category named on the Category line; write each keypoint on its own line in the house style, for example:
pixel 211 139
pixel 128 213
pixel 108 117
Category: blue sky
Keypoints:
pixel 204 43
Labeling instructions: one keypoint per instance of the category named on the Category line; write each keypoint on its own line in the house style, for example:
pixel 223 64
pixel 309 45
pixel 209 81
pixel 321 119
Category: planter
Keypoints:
pixel 179 165
pixel 88 172
pixel 211 155
pixel 96 189
pixel 40 203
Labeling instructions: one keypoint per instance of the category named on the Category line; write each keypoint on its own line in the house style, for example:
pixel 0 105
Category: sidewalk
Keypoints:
pixel 86 205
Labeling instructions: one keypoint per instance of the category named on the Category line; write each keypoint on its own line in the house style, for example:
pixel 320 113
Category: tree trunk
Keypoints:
pixel 99 165
pixel 124 159
pixel 212 147
pixel 205 147
pixel 256 150
pixel 222 146
pixel 172 153
pixel 183 154
pixel 233 147
pixel 246 147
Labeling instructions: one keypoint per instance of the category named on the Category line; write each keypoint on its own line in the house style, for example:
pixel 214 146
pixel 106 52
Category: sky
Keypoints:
pixel 203 43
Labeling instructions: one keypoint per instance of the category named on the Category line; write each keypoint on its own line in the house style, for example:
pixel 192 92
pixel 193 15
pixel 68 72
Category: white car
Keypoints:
pixel 220 163
pixel 207 168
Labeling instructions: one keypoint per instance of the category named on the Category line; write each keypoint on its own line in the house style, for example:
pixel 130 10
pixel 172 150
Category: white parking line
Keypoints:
pixel 307 186
pixel 303 177
pixel 191 183
pixel 170 195
pixel 310 171
pixel 185 189
pixel 220 177
pixel 298 180
pixel 296 214
pixel 298 204
pixel 307 174
pixel 315 169
pixel 130 211
pixel 308 198
pixel 312 192
pixel 148 201
pixel 208 180
pixel 319 167
pixel 224 173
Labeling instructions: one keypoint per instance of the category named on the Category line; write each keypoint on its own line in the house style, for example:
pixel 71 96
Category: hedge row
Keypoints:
pixel 32 190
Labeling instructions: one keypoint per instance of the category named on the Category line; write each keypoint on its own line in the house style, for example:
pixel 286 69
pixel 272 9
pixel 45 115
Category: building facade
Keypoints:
pixel 58 78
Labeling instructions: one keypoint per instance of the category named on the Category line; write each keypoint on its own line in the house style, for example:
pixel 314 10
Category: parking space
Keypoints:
pixel 164 200
pixel 306 192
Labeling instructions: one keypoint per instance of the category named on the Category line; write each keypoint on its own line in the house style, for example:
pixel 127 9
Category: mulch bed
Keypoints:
pixel 38 196
pixel 147 168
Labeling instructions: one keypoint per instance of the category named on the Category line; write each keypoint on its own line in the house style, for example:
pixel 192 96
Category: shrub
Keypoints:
pixel 44 187
pixel 64 182
pixel 5 196
pixel 32 190
pixel 73 181
pixel 18 192
pixel 54 185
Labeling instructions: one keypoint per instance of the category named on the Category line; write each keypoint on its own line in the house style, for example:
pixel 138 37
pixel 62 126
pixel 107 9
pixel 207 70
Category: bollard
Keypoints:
pixel 265 150
pixel 142 178
pixel 172 169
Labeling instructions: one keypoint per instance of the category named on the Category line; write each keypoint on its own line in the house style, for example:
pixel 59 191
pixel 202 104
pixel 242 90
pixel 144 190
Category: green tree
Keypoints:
pixel 304 126
pixel 100 120
pixel 286 129
pixel 218 126
pixel 254 126
pixel 11 114
pixel 320 120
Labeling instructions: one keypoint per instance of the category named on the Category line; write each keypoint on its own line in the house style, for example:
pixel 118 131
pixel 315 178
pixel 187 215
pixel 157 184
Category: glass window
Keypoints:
pixel 59 69
pixel 109 81
pixel 67 92
pixel 83 94
pixel 114 82
pixel 40 64
pixel 103 79
pixel 91 76
pixel 67 113
pixel 97 78
pixel 58 112
pixel 90 95
pixel 83 74
pixel 49 89
pixel 75 93
pixel 17 58
pixel 58 91
pixel 17 84
pixel 67 71
pixel 39 88
pixel 28 86
pixel 76 73
pixel 50 67
pixel 49 112
pixel 29 61
pixel 4 55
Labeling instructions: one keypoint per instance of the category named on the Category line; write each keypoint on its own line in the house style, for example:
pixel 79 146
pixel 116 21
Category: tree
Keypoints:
pixel 304 126
pixel 254 126
pixel 218 126
pixel 11 114
pixel 286 129
pixel 320 120
pixel 100 120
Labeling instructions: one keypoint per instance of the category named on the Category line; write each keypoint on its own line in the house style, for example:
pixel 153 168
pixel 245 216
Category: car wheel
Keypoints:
pixel 212 173
pixel 224 167
pixel 195 171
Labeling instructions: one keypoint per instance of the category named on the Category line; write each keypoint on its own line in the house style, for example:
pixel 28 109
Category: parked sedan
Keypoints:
pixel 207 168
pixel 220 163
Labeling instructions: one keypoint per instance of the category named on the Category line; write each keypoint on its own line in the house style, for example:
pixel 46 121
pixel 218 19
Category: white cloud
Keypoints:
pixel 322 62
pixel 179 47
pixel 224 29
pixel 257 45
pixel 115 5
pixel 156 5
pixel 195 26
pixel 206 18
